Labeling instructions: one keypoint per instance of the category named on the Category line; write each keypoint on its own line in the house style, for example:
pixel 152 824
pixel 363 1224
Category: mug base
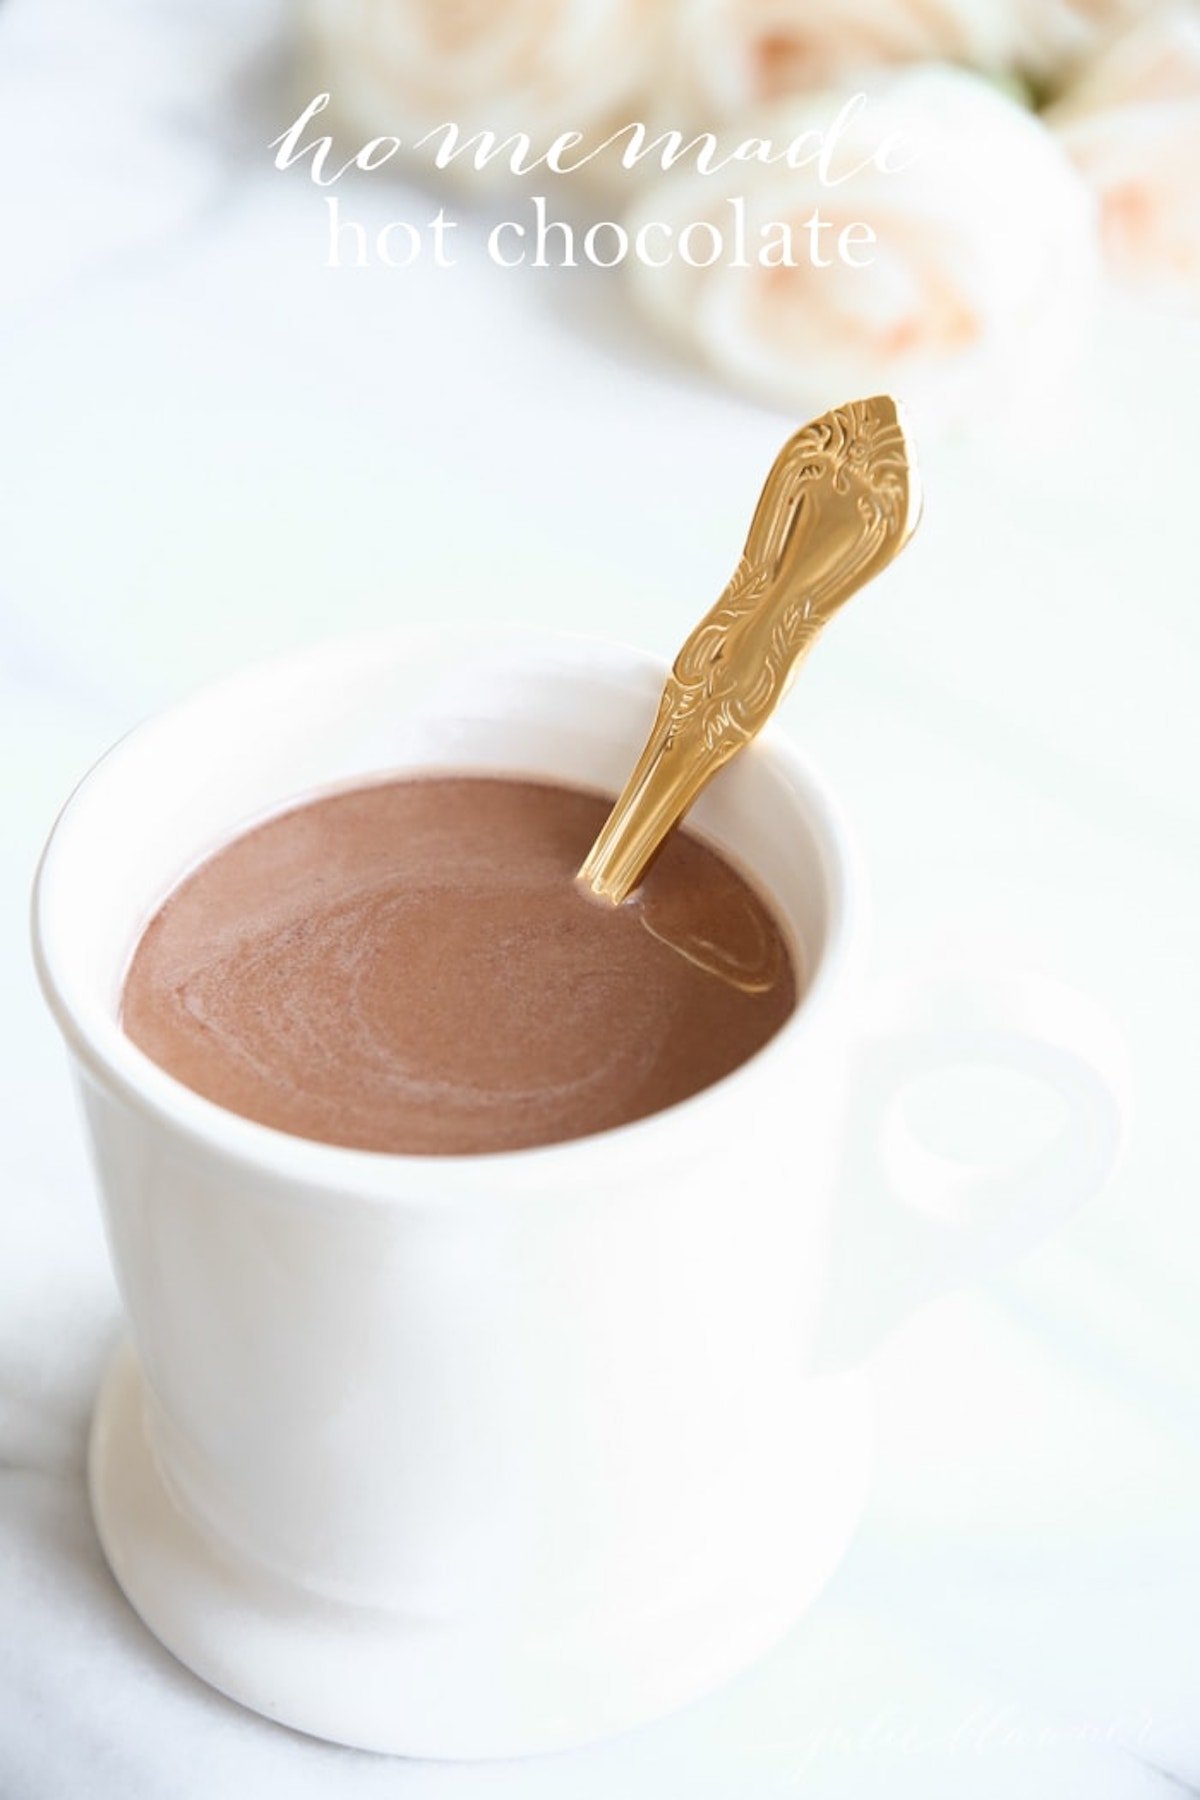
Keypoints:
pixel 424 1687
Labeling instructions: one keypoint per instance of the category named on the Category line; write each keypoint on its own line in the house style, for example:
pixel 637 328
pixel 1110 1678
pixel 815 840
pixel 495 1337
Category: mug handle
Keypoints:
pixel 918 1218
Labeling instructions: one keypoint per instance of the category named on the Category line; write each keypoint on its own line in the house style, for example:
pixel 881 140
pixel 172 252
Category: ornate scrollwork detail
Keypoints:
pixel 839 502
pixel 834 503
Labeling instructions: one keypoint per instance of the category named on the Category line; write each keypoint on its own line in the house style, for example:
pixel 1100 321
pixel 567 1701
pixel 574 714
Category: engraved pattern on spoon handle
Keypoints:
pixel 841 500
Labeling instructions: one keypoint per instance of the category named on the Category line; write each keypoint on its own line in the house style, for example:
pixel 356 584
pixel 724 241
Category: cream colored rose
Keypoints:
pixel 982 275
pixel 729 58
pixel 405 67
pixel 1131 124
pixel 1048 39
pixel 726 58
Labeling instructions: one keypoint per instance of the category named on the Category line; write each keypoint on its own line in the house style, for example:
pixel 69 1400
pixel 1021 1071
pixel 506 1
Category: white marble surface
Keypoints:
pixel 214 448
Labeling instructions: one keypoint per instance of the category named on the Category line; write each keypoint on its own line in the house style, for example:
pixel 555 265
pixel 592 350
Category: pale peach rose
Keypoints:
pixel 1131 124
pixel 726 58
pixel 404 67
pixel 983 272
pixel 1049 39
pixel 729 58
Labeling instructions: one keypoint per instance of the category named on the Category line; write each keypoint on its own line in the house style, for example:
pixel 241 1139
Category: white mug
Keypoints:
pixel 482 1455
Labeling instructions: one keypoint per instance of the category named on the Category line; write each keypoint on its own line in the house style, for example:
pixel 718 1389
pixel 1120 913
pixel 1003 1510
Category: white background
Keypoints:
pixel 215 448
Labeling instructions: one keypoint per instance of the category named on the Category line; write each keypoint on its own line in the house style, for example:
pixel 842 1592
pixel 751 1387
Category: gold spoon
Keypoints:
pixel 842 499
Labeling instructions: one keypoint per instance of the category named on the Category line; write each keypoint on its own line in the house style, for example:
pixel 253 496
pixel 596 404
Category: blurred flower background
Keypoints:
pixel 1059 144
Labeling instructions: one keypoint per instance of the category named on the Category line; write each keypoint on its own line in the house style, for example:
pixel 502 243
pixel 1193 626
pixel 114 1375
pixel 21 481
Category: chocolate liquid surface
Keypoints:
pixel 408 966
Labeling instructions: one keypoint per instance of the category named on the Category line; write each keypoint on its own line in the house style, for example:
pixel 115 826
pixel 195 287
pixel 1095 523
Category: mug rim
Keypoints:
pixel 94 1035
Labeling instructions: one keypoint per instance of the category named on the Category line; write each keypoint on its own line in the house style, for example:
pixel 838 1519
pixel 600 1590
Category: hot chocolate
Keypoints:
pixel 410 966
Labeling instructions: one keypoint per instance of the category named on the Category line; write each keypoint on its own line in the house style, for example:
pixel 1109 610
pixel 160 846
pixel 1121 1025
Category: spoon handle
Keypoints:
pixel 841 500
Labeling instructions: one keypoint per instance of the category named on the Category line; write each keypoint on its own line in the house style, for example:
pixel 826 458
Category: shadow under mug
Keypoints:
pixel 478 1456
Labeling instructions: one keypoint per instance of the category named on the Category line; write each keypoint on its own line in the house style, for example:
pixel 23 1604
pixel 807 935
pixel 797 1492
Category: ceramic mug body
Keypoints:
pixel 459 1455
